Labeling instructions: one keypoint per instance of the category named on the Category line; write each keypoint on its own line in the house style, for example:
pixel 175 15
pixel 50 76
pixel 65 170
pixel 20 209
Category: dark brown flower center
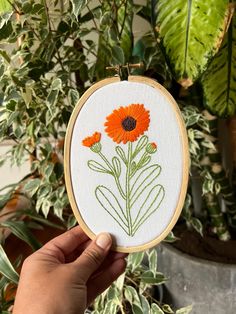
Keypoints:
pixel 129 124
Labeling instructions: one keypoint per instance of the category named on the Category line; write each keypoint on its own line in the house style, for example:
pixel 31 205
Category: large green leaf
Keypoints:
pixel 191 33
pixel 5 6
pixel 219 82
pixel 6 267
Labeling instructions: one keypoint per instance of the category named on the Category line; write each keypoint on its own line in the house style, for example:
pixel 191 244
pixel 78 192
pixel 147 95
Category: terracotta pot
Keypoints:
pixel 209 286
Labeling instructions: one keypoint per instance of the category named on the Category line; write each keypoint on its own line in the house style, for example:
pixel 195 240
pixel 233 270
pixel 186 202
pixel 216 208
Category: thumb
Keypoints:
pixel 93 256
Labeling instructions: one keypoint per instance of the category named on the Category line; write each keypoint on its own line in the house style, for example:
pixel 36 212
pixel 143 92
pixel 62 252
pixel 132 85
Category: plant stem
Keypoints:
pixel 127 187
pixel 114 175
pixel 212 164
pixel 139 163
pixel 217 218
pixel 123 22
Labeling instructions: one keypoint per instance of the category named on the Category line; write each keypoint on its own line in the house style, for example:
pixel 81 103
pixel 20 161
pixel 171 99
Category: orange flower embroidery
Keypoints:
pixel 91 140
pixel 126 124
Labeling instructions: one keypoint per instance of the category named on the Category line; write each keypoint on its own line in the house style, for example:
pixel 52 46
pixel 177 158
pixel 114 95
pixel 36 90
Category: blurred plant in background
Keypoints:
pixel 52 51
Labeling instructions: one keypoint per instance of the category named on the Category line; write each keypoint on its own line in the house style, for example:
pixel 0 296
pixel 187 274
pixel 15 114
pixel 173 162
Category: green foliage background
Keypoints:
pixel 52 51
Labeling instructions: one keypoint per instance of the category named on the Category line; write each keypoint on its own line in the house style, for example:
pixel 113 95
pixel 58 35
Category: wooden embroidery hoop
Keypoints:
pixel 67 167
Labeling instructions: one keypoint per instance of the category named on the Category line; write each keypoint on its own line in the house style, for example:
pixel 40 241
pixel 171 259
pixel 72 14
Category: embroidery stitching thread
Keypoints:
pixel 126 125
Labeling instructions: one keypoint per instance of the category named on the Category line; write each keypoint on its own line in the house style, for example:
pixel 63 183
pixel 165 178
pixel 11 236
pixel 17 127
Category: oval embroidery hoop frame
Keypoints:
pixel 67 150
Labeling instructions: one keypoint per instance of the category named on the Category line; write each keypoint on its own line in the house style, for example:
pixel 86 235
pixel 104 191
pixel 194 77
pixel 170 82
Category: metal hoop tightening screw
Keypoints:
pixel 118 68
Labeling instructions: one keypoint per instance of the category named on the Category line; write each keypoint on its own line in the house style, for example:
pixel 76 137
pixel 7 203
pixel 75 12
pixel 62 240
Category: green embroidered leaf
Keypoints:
pixel 219 81
pixel 96 166
pixel 116 165
pixel 140 145
pixel 120 152
pixel 145 161
pixel 6 267
pixel 111 204
pixel 133 168
pixel 145 178
pixel 151 203
pixel 191 33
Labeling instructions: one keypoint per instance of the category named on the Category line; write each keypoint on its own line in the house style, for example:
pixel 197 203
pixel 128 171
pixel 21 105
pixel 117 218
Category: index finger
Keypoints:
pixel 67 242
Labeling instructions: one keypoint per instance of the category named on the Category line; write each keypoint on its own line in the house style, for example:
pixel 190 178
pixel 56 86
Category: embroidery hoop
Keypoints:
pixel 185 158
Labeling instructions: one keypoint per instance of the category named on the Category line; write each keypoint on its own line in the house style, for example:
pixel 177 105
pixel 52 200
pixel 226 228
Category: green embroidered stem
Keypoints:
pixel 127 186
pixel 141 159
pixel 139 179
pixel 116 178
pixel 145 154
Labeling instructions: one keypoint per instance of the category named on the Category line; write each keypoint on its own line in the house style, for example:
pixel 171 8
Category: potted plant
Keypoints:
pixel 198 42
pixel 47 60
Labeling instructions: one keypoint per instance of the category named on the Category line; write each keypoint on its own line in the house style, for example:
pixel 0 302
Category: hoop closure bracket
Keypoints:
pixel 128 66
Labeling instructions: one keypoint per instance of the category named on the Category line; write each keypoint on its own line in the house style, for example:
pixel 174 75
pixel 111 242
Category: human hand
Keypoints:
pixel 66 274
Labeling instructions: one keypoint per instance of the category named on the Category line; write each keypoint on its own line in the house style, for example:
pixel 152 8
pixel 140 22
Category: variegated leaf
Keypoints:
pixel 191 33
pixel 219 81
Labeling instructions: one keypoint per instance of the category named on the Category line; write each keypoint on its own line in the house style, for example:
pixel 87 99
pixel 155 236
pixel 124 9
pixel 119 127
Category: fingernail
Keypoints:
pixel 103 240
